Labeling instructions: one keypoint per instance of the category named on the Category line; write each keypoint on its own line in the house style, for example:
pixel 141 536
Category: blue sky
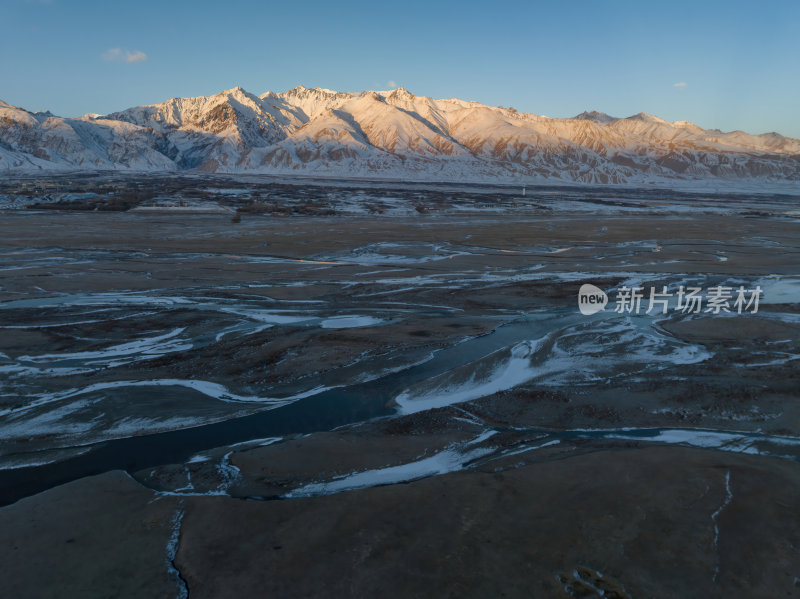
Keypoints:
pixel 729 65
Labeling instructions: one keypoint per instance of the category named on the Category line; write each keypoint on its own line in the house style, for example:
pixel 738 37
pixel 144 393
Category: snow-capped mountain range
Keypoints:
pixel 388 134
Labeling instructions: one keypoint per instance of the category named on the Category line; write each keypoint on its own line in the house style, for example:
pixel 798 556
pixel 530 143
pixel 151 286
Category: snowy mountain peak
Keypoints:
pixel 688 125
pixel 401 92
pixel 301 91
pixel 648 118
pixel 593 115
pixel 238 93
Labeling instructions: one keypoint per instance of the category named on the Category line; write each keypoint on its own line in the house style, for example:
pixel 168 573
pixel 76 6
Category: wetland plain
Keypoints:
pixel 242 387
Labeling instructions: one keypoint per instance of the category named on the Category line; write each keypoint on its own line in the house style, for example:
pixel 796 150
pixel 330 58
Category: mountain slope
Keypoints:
pixel 41 141
pixel 388 134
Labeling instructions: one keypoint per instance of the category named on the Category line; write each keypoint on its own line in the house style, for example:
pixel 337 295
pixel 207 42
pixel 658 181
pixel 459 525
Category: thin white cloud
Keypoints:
pixel 680 84
pixel 135 56
pixel 392 84
pixel 120 55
